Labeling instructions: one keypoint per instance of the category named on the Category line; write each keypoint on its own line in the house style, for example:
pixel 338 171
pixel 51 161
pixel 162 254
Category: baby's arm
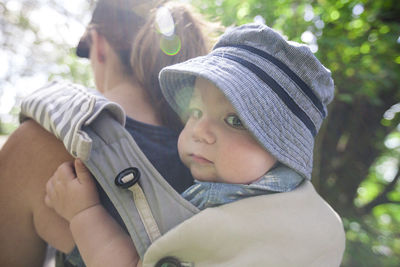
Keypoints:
pixel 100 239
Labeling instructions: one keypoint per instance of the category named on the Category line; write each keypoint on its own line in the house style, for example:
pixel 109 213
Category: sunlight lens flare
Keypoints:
pixel 170 46
pixel 182 98
pixel 165 22
pixel 170 43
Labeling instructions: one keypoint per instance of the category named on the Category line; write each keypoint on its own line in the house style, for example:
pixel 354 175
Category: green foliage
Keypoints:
pixel 363 48
pixel 32 53
pixel 275 13
pixel 74 69
pixel 370 242
pixel 9 126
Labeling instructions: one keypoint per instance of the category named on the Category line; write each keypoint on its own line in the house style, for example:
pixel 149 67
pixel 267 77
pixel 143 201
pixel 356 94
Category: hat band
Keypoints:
pixel 303 86
pixel 281 93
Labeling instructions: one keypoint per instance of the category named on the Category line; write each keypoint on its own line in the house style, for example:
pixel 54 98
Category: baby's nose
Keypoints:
pixel 203 131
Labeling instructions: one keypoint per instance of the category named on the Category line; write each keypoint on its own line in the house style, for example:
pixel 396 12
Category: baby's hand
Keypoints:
pixel 69 194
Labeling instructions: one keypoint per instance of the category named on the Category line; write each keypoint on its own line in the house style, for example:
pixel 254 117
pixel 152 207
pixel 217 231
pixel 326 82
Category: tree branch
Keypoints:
pixel 382 197
pixel 393 202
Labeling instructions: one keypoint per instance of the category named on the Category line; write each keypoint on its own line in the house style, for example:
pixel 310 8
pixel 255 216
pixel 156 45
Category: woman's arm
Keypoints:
pixel 100 239
pixel 28 158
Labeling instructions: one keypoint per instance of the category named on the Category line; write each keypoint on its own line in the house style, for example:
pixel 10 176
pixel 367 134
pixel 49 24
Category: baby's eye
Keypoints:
pixel 195 113
pixel 235 122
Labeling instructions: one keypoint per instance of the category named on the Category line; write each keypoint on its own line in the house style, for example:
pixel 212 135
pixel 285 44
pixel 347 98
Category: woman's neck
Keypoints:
pixel 133 99
pixel 122 88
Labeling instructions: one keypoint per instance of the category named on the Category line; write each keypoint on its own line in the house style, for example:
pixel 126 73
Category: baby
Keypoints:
pixel 252 109
pixel 225 159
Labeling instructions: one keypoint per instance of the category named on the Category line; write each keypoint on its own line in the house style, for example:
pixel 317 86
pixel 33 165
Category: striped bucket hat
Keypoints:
pixel 279 89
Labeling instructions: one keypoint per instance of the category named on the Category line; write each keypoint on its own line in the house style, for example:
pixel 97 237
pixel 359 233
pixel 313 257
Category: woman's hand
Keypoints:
pixel 70 191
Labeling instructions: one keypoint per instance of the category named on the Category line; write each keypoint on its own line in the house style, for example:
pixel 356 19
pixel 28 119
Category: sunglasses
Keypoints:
pixel 83 48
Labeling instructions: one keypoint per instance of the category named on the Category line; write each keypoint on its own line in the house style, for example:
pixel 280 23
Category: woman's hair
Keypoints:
pixel 134 29
pixel 173 33
pixel 118 21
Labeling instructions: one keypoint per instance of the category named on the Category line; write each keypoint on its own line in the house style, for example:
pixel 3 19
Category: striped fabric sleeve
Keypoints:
pixel 63 108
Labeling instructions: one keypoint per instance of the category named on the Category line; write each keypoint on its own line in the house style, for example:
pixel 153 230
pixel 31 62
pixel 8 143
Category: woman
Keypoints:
pixel 31 154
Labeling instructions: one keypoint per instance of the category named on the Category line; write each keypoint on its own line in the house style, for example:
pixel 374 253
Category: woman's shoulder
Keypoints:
pixel 31 146
pixel 32 133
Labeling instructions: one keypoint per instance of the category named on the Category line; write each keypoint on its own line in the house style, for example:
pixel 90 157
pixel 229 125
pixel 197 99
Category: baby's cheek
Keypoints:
pixel 183 141
pixel 180 145
pixel 244 168
pixel 235 169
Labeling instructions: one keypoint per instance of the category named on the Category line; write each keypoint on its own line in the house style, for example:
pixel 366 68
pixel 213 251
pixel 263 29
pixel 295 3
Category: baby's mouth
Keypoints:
pixel 200 159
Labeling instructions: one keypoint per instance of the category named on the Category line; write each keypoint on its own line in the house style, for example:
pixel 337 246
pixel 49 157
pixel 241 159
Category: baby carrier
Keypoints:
pixel 92 129
pixel 160 222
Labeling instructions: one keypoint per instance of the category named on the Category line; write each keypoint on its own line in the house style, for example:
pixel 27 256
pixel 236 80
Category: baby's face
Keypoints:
pixel 215 145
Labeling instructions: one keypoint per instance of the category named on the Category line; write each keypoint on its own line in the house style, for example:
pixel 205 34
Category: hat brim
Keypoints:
pixel 249 96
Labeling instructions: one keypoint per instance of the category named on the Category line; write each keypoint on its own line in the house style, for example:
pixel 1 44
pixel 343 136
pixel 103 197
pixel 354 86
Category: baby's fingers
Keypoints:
pixel 47 201
pixel 49 192
pixel 82 172
pixel 65 172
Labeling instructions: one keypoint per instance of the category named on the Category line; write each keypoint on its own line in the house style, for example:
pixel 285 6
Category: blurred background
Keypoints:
pixel 357 157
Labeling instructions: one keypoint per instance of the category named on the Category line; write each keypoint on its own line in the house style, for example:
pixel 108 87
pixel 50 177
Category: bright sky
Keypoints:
pixel 52 25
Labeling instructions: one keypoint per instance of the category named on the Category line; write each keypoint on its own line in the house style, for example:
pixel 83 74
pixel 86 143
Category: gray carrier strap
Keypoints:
pixel 64 108
pixel 91 128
